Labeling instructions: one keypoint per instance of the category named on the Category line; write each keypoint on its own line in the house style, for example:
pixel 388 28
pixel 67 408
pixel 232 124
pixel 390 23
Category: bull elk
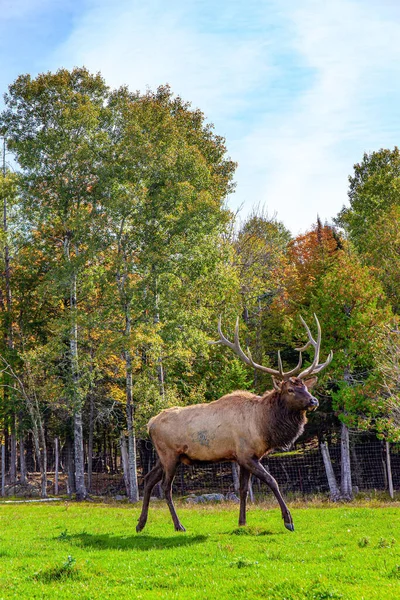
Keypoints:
pixel 240 427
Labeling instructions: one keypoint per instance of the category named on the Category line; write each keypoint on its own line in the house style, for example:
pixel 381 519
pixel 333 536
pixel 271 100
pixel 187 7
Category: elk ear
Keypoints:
pixel 277 384
pixel 309 383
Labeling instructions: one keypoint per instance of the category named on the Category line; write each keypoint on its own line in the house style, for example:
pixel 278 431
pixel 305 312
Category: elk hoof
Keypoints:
pixel 179 527
pixel 289 526
pixel 139 527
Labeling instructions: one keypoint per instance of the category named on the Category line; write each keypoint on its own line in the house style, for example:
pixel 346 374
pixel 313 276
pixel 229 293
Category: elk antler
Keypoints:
pixel 314 368
pixel 248 359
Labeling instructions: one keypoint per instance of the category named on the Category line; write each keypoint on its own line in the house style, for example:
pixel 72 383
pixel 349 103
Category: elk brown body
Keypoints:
pixel 240 427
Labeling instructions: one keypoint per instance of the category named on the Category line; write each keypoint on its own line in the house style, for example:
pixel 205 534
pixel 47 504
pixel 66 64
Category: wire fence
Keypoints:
pixel 299 472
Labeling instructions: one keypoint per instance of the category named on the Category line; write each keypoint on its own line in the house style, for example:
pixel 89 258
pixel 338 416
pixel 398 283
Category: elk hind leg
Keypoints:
pixel 150 480
pixel 168 478
pixel 243 490
pixel 258 470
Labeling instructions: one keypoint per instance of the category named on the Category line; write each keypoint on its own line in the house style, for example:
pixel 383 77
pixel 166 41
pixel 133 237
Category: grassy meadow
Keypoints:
pixel 91 551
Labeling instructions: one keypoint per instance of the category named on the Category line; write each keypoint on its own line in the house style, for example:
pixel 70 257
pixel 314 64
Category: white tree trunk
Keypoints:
pixel 132 468
pixel 125 463
pixel 133 483
pixel 330 475
pixel 160 367
pixel 3 470
pixel 56 465
pixel 22 461
pixel 80 487
pixel 40 445
pixel 346 488
pixel 235 477
pixel 389 470
pixel 10 332
pixel 44 473
pixel 81 492
pixel 38 434
pixel 131 477
pixel 40 451
pixel 90 445
pixel 13 454
pixel 70 466
pixel 251 494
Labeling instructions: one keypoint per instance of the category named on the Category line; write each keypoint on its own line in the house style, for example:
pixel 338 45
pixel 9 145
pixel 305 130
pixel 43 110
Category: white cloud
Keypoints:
pixel 158 43
pixel 302 160
pixel 295 156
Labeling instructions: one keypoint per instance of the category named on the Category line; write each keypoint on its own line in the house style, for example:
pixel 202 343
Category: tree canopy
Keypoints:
pixel 120 253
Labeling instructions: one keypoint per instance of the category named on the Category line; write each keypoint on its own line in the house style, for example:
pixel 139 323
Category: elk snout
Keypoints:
pixel 313 403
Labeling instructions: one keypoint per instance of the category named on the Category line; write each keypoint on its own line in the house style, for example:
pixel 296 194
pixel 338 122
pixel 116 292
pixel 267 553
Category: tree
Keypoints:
pixel 374 188
pixel 261 258
pixel 310 256
pixel 387 356
pixel 122 197
pixel 166 215
pixel 373 217
pixel 8 193
pixel 353 310
pixel 324 276
pixel 53 124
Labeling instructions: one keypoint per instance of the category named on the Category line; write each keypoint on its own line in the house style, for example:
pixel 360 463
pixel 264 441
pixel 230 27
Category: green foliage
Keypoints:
pixel 372 220
pixel 387 354
pixel 261 259
pixel 123 257
pixel 352 308
pixel 374 188
pixel 231 375
pixel 260 253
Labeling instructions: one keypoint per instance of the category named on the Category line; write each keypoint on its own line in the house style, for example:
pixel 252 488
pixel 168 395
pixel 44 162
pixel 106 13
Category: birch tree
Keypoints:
pixel 165 215
pixel 53 126
pixel 8 194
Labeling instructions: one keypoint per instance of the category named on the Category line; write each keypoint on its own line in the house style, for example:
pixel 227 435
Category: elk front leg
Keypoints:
pixel 243 490
pixel 169 474
pixel 258 470
pixel 150 480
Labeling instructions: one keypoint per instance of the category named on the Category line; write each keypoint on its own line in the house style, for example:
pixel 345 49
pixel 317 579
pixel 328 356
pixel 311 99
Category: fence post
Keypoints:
pixel 389 470
pixel 330 475
pixel 56 466
pixel 251 495
pixel 235 477
pixel 125 462
pixel 346 487
pixel 3 469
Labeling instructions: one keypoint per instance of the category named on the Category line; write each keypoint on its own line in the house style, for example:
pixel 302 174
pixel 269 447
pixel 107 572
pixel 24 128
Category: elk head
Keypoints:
pixel 295 393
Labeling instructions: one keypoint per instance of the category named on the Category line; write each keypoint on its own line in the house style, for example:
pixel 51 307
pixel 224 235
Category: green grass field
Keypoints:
pixel 69 550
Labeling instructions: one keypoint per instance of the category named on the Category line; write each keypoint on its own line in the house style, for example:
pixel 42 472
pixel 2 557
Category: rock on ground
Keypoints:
pixel 22 490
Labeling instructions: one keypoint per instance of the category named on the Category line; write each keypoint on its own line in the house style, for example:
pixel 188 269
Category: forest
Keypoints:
pixel 119 253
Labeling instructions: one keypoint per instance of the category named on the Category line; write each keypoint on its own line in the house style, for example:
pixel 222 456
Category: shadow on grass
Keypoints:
pixel 65 571
pixel 253 531
pixel 134 542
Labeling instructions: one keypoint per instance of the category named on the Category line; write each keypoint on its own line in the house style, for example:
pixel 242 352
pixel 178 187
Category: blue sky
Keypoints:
pixel 299 88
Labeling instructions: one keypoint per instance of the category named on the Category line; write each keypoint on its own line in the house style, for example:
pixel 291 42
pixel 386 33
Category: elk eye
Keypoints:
pixel 291 390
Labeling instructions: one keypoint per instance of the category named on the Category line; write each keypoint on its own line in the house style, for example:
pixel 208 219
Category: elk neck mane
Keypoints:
pixel 282 425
